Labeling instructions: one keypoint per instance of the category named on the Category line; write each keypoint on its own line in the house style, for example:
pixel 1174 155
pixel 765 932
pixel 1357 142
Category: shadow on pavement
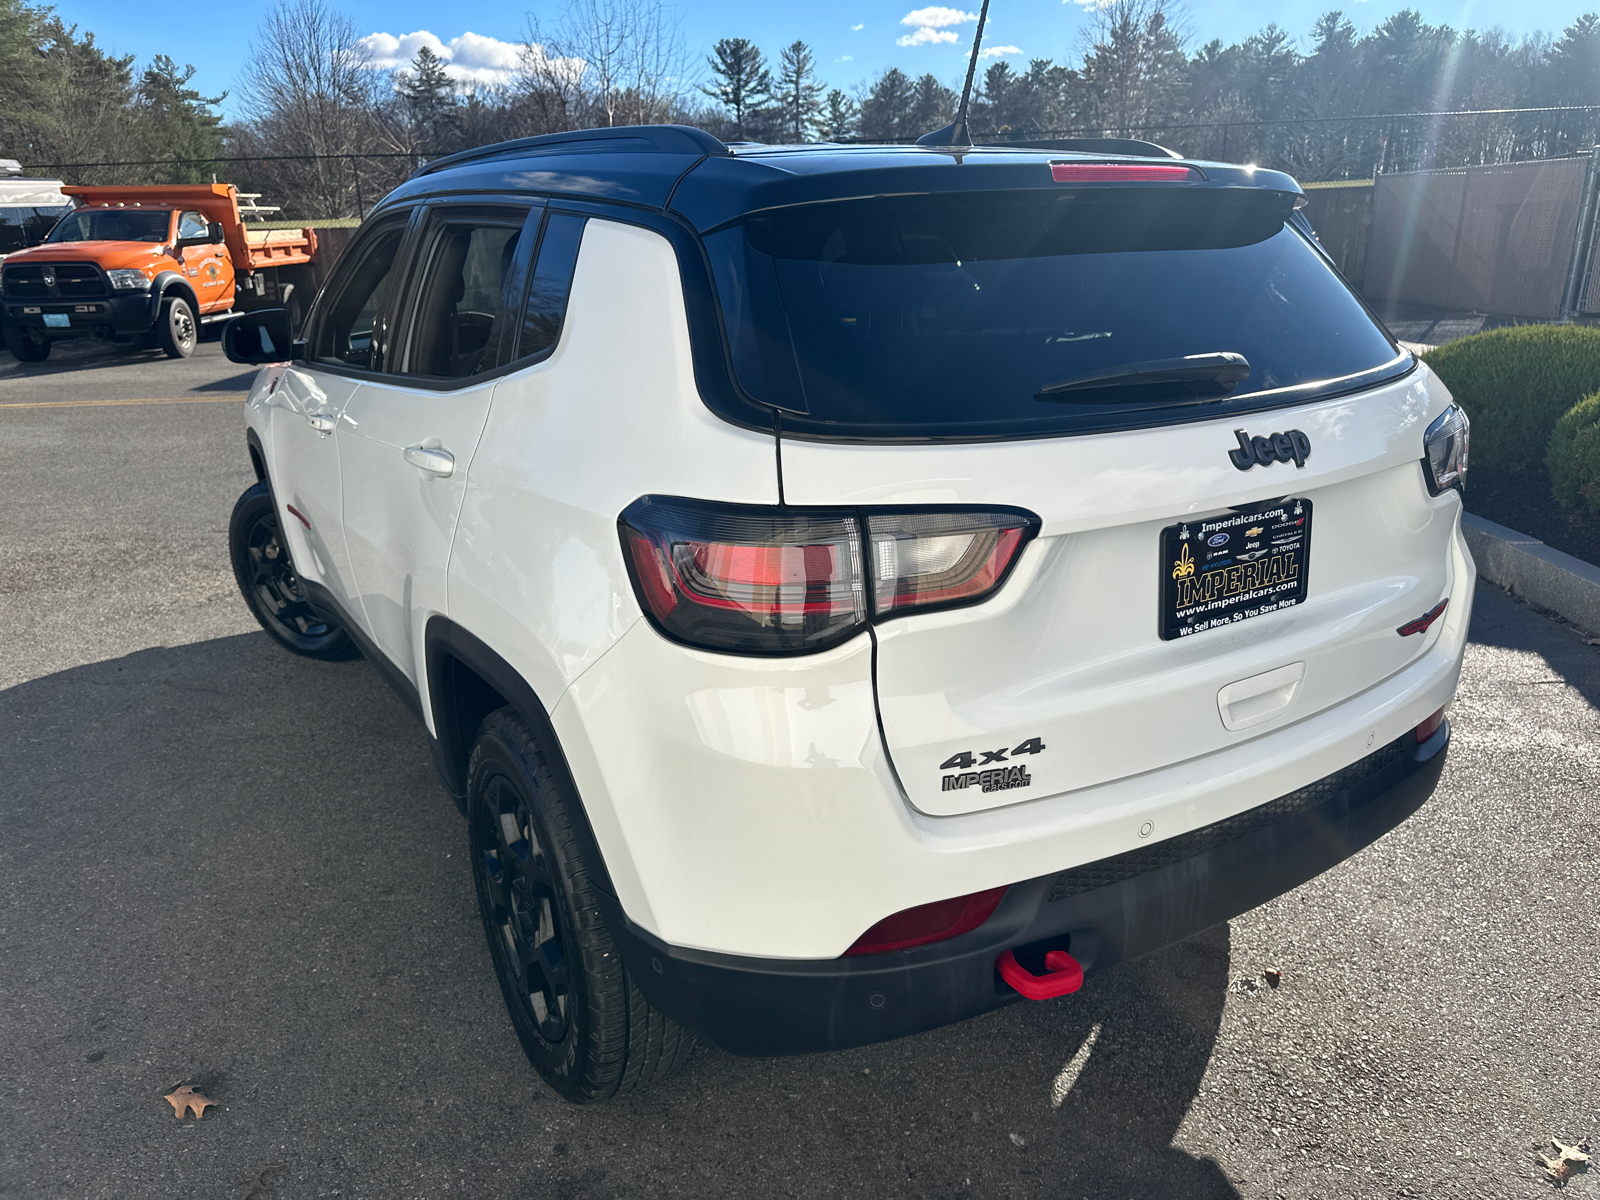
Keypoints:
pixel 1498 620
pixel 229 866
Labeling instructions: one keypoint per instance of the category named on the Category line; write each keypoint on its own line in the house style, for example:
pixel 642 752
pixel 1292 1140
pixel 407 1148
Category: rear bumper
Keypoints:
pixel 130 312
pixel 1104 912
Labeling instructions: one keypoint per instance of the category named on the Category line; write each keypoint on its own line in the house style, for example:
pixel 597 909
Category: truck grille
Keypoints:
pixel 72 281
pixel 1121 867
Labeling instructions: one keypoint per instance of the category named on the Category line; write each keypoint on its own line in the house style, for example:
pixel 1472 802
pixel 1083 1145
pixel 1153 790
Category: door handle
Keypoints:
pixel 320 421
pixel 432 458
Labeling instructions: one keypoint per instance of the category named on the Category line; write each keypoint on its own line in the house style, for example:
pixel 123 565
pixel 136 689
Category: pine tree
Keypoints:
pixel 743 81
pixel 799 94
pixel 179 121
pixel 429 95
pixel 886 112
pixel 839 117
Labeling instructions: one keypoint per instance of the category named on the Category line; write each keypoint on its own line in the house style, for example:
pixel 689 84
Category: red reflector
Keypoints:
pixel 1429 727
pixel 1420 625
pixel 926 923
pixel 1120 173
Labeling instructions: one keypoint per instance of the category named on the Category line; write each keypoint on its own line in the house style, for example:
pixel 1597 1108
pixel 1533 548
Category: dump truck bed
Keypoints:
pixel 251 250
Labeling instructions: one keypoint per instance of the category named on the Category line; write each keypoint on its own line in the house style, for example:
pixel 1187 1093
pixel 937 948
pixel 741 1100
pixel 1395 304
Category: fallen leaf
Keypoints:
pixel 1273 976
pixel 186 1098
pixel 1592 642
pixel 1569 1160
pixel 1018 1140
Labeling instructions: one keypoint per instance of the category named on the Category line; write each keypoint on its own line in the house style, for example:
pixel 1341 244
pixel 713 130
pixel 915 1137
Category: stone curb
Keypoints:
pixel 1567 586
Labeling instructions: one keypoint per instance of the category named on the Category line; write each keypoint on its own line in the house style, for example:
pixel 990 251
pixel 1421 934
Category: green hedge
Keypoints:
pixel 1516 383
pixel 1574 458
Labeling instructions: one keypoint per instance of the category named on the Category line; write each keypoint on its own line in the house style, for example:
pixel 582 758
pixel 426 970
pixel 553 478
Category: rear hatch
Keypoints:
pixel 1217 557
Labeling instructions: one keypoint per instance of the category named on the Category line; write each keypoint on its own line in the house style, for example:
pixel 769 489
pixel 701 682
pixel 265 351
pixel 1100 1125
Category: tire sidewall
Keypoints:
pixel 561 1064
pixel 167 331
pixel 24 348
pixel 252 506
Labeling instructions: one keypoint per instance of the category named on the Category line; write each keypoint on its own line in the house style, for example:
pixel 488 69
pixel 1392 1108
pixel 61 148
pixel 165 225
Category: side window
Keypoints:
pixel 191 225
pixel 351 330
pixel 454 330
pixel 546 306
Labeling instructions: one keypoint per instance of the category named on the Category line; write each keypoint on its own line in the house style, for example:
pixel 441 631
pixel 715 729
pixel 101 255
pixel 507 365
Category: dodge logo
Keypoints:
pixel 49 277
pixel 1292 446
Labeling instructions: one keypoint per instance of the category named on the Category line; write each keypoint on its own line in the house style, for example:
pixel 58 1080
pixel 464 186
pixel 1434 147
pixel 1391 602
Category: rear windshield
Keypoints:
pixel 949 315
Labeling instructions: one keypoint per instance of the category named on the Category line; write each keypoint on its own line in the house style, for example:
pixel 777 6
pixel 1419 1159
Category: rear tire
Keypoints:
pixel 176 328
pixel 270 585
pixel 583 1024
pixel 24 348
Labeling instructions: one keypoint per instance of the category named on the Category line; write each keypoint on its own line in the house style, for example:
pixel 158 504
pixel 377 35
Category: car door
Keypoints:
pixel 206 266
pixel 345 346
pixel 405 441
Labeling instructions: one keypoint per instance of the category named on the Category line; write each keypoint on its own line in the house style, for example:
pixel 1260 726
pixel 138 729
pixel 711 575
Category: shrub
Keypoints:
pixel 1515 384
pixel 1574 458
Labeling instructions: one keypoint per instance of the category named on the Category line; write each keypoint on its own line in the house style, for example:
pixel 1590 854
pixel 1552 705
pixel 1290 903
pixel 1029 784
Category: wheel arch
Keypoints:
pixel 258 456
pixel 467 681
pixel 170 283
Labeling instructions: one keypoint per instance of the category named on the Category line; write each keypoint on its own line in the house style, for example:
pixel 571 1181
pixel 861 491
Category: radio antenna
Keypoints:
pixel 956 135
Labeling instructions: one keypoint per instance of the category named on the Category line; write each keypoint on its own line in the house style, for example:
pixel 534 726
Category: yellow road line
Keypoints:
pixel 231 398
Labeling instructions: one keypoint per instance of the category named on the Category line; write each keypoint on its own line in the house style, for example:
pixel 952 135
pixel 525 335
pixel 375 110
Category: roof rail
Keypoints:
pixel 1133 147
pixel 645 139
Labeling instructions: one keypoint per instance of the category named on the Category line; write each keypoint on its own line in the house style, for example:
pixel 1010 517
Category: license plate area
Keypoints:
pixel 1227 569
pixel 57 320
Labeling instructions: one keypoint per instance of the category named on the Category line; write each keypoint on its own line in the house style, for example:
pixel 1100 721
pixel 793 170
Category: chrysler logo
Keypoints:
pixel 49 277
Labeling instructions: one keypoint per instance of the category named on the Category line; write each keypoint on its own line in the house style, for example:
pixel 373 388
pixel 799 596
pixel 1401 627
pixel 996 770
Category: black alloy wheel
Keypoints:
pixel 270 585
pixel 523 908
pixel 584 1025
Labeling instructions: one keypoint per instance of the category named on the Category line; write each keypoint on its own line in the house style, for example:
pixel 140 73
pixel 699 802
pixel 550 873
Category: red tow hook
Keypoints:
pixel 1063 975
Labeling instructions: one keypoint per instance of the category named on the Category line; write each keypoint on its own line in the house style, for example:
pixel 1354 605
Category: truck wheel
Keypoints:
pixel 269 584
pixel 584 1025
pixel 176 328
pixel 25 348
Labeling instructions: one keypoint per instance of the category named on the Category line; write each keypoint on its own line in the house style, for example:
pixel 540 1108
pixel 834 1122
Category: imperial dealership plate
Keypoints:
pixel 1230 568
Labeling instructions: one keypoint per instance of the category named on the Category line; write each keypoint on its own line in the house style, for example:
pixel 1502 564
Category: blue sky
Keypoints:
pixel 853 39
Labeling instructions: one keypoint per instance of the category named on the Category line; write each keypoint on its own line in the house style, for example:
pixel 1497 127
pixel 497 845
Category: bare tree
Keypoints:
pixel 315 104
pixel 608 62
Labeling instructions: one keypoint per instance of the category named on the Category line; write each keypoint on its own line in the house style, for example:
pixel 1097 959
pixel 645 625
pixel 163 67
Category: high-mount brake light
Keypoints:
pixel 752 579
pixel 1065 172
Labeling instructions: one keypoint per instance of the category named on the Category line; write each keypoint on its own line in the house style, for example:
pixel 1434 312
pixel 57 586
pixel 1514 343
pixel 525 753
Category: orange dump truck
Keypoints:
pixel 130 261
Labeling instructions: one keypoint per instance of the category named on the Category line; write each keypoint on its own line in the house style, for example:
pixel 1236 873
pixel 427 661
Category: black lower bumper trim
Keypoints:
pixel 1105 912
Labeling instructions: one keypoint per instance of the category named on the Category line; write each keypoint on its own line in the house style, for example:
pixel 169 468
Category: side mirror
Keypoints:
pixel 214 233
pixel 263 336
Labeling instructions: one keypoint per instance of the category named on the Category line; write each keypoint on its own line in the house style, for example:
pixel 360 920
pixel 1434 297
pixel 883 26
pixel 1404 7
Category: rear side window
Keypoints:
pixel 545 307
pixel 455 329
pixel 950 315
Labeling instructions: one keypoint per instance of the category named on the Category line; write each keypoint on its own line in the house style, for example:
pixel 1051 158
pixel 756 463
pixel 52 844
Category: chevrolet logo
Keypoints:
pixel 49 278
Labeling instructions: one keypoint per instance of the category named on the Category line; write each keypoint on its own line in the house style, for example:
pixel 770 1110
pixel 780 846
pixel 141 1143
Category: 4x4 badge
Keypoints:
pixel 1290 446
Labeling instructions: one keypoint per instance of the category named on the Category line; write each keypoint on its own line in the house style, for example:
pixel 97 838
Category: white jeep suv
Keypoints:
pixel 851 588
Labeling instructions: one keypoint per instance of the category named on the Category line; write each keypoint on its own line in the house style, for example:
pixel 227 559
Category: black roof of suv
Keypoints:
pixel 686 171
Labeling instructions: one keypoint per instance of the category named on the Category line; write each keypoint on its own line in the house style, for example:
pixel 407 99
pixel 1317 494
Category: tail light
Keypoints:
pixel 936 922
pixel 752 579
pixel 1444 449
pixel 1429 727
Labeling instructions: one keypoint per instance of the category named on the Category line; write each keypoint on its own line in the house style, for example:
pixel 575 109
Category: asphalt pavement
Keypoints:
pixel 226 866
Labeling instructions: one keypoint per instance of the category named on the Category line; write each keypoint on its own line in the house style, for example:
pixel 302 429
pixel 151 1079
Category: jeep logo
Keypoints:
pixel 1292 446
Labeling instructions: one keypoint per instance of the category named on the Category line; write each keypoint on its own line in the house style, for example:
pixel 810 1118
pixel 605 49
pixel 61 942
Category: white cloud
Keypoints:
pixel 926 37
pixel 936 17
pixel 470 58
pixel 858 28
pixel 997 51
pixel 845 58
pixel 1091 5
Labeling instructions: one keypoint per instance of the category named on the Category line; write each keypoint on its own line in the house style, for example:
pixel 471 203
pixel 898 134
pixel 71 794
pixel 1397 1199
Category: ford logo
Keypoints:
pixel 1217 539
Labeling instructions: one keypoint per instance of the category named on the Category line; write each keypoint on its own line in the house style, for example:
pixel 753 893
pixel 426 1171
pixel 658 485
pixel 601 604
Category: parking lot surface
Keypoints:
pixel 225 866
